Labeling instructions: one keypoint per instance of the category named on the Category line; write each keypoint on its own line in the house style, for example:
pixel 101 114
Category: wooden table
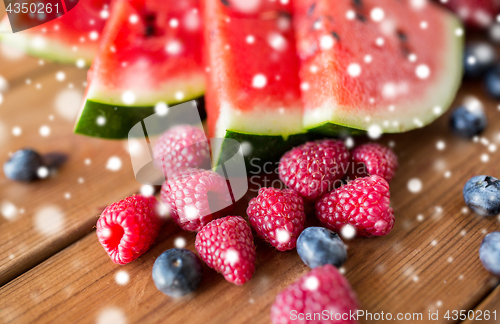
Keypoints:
pixel 53 269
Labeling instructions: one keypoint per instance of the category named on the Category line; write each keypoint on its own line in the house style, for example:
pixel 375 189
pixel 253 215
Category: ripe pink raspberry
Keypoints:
pixel 362 203
pixel 377 159
pixel 313 168
pixel 196 197
pixel 127 228
pixel 226 245
pixel 323 289
pixel 181 147
pixel 277 216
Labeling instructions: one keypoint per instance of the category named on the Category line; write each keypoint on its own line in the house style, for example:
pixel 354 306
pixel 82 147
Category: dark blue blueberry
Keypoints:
pixel 478 58
pixel 318 246
pixel 23 165
pixel 482 195
pixel 492 82
pixel 177 272
pixel 468 122
pixel 489 253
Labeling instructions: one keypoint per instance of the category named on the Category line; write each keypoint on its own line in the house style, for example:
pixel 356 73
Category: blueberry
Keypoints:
pixel 177 272
pixel 489 253
pixel 23 165
pixel 492 82
pixel 478 58
pixel 468 121
pixel 482 195
pixel 318 246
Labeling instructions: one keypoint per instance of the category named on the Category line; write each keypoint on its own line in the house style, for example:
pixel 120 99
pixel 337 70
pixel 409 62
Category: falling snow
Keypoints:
pixel 49 220
pixel 44 130
pixel 414 185
pixel 111 315
pixel 440 145
pixel 128 97
pixel 9 210
pixel 326 42
pixel 133 19
pixel 42 172
pixel 161 109
pixel 374 132
pixel 100 121
pixel 122 277
pixel 17 131
pixel 180 243
pixel 348 232
pixel 311 283
pixel 354 69
pixel 147 190
pixel 80 63
pixel 282 236
pixel 377 14
pixel 174 47
pixel 232 256
pixel 259 81
pixel 114 163
pixel 422 71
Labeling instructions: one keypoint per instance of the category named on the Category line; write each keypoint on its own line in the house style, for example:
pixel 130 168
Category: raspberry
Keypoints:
pixel 377 159
pixel 226 245
pixel 277 216
pixel 323 290
pixel 196 197
pixel 127 228
pixel 362 203
pixel 313 168
pixel 181 147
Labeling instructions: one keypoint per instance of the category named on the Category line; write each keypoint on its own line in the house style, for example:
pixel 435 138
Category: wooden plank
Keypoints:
pixel 488 311
pixel 428 263
pixel 43 217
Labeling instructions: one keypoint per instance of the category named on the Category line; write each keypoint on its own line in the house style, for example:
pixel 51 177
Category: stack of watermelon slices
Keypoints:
pixel 376 65
pixel 275 72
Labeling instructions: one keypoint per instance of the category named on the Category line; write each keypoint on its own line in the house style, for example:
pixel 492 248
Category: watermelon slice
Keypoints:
pixel 253 93
pixel 150 53
pixel 381 65
pixel 71 38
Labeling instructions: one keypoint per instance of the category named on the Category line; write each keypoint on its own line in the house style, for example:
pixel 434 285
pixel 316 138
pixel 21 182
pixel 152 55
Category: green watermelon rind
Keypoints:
pixel 264 149
pixel 119 119
pixel 454 78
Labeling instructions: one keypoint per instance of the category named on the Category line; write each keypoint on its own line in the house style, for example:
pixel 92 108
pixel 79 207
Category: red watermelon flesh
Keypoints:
pixel 381 65
pixel 150 52
pixel 72 38
pixel 476 13
pixel 253 85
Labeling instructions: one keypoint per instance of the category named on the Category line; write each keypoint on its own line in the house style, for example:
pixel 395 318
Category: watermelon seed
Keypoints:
pixel 361 17
pixel 402 36
pixel 358 3
pixel 336 35
pixel 311 8
pixel 150 30
pixel 225 3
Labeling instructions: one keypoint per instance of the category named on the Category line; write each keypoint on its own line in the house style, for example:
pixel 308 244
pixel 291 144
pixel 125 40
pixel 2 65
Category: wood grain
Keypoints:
pixel 29 235
pixel 487 307
pixel 428 263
